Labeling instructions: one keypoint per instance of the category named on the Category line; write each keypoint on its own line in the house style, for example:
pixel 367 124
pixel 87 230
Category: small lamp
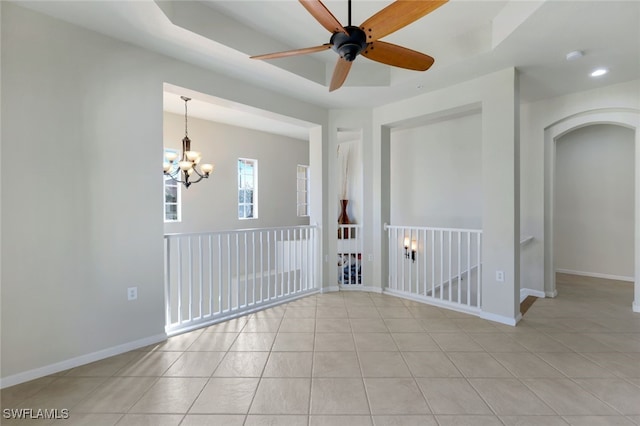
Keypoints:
pixel 410 244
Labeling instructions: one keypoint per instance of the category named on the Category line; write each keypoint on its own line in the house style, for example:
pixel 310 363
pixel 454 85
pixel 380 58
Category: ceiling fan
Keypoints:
pixel 350 41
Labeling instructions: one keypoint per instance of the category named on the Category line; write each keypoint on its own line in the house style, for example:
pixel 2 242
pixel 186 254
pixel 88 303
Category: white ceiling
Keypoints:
pixel 468 38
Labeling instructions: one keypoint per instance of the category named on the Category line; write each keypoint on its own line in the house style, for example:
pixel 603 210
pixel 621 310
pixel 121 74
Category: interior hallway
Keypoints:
pixel 355 358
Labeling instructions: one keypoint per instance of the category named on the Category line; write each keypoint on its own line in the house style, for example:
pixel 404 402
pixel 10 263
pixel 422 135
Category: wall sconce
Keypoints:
pixel 413 244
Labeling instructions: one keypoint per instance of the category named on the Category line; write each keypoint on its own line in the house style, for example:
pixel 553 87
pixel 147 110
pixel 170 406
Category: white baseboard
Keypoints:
pixel 596 275
pixel 501 318
pixel 433 301
pixel 329 289
pixel 79 360
pixel 551 294
pixel 524 292
pixel 356 287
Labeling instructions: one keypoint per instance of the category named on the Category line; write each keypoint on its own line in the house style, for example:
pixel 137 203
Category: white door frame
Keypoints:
pixel 626 117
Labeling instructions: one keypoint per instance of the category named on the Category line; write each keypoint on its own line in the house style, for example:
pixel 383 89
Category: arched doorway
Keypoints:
pixel 622 117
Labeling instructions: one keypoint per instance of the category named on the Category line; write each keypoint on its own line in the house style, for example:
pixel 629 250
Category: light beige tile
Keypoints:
pixel 374 342
pixel 11 396
pixel 289 364
pixel 225 396
pixel 228 326
pixel 526 365
pixel 170 395
pixel 337 325
pixel 242 364
pixel 362 311
pixel 478 364
pixel 419 342
pixel 567 398
pixel 334 342
pixel 195 364
pixel 214 342
pixel 258 342
pixel 79 419
pixel 510 397
pixel 297 325
pixel 497 342
pixel 368 325
pixel 275 420
pixel 336 364
pixel 580 342
pixel 262 325
pixel 103 368
pixel 294 342
pixel 438 324
pixel 598 421
pixel 620 364
pixel 474 325
pixel 533 421
pixel 150 420
pixel 403 325
pixel 574 365
pixel 539 342
pixel 63 392
pixel 430 364
pixel 404 420
pixel 149 364
pixel 456 342
pixel 383 364
pixel 340 421
pixel 115 395
pixel 281 396
pixel 301 312
pixel 394 312
pixel 338 396
pixel 395 396
pixel 425 311
pixel 452 396
pixel 213 420
pixel 618 393
pixel 178 343
pixel 331 312
pixel 468 420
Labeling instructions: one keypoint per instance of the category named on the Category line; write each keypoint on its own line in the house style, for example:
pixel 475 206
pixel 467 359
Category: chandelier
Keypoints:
pixel 183 171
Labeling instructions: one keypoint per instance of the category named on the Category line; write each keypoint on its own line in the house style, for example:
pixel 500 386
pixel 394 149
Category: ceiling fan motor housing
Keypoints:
pixel 349 46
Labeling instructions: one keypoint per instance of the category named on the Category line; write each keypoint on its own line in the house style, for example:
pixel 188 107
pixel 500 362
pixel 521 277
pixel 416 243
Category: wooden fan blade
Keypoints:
pixel 398 56
pixel 340 73
pixel 319 11
pixel 293 52
pixel 397 15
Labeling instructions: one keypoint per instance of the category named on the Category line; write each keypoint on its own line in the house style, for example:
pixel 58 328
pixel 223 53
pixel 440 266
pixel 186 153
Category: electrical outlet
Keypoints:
pixel 500 276
pixel 132 293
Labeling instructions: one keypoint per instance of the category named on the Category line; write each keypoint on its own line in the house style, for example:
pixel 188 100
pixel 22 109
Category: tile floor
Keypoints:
pixel 357 359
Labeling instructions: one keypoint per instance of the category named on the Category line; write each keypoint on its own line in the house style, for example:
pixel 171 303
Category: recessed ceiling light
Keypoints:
pixel 574 55
pixel 599 72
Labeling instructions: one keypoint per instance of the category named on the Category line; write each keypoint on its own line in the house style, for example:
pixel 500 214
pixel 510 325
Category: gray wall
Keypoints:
pixel 594 206
pixel 82 142
pixel 213 204
pixel 436 174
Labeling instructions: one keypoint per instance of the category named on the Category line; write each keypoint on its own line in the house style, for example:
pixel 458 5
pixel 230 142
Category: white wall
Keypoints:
pixel 81 190
pixel 594 201
pixel 436 174
pixel 535 118
pixel 212 205
pixel 496 94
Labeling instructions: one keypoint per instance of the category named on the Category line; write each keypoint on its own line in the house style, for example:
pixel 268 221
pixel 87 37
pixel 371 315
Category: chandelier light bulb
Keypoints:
pixel 192 155
pixel 166 167
pixel 206 168
pixel 185 165
pixel 171 156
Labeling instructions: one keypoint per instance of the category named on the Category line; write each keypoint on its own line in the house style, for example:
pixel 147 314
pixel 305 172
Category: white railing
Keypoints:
pixel 219 275
pixel 349 256
pixel 441 266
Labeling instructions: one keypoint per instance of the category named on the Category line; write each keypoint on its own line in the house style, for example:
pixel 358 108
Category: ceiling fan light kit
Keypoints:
pixel 350 41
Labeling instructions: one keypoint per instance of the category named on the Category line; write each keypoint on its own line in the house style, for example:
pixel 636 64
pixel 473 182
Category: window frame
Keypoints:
pixel 254 194
pixel 167 181
pixel 304 205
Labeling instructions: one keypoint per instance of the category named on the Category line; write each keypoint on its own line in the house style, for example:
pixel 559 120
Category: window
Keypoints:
pixel 303 190
pixel 171 194
pixel 247 188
